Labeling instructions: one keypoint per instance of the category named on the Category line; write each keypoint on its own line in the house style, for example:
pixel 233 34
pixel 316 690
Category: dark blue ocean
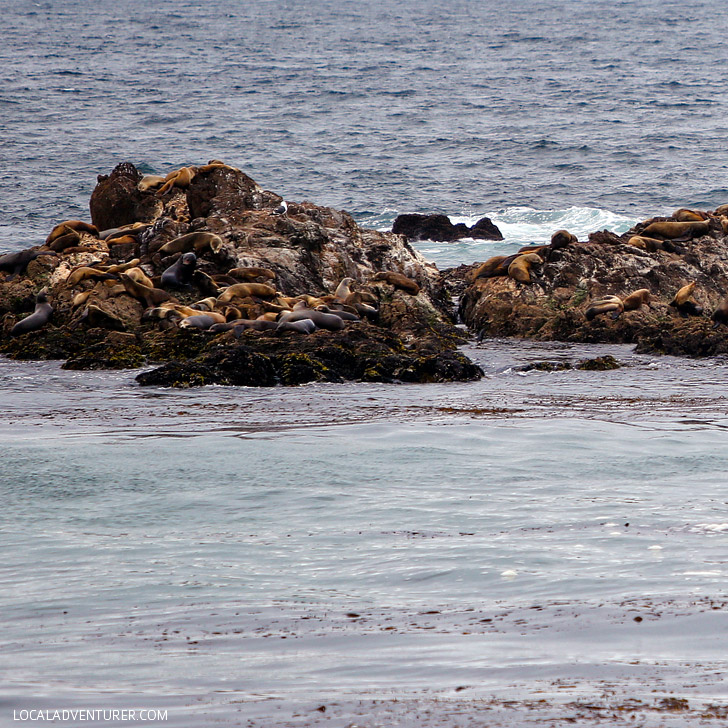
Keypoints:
pixel 532 549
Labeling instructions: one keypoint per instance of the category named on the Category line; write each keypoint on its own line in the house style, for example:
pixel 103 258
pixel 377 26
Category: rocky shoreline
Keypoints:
pixel 218 281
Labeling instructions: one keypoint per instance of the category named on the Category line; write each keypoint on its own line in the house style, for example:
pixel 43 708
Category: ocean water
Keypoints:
pixel 529 548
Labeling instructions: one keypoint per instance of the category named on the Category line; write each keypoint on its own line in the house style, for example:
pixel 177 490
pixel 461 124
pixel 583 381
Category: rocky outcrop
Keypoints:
pixel 438 227
pixel 553 306
pixel 114 308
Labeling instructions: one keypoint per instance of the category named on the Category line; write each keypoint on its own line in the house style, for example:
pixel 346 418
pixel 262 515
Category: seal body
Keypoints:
pixel 398 281
pixel 322 320
pixel 304 326
pixel 179 274
pixel 37 319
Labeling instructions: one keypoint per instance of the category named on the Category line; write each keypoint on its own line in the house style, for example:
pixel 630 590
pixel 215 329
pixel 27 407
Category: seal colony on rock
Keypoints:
pixel 585 289
pixel 204 270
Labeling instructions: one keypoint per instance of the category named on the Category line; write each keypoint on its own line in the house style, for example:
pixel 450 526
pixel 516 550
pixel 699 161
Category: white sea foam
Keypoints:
pixel 519 226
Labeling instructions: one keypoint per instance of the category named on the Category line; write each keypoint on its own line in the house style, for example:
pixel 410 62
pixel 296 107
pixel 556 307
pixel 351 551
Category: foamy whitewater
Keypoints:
pixel 534 548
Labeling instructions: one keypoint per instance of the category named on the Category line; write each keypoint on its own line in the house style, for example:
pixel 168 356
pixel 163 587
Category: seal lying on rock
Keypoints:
pixel 398 281
pixel 37 319
pixel 16 263
pixel 615 305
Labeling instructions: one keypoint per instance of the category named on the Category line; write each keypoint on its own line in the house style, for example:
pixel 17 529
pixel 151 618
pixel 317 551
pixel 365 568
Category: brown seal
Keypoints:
pixel 607 304
pixel 398 281
pixel 520 268
pixel 675 230
pixel 243 290
pixel 250 274
pixel 197 242
pixel 77 225
pixel 686 215
pixel 562 238
pixel 683 304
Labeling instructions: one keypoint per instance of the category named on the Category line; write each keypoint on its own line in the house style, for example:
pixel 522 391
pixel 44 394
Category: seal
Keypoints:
pixel 651 245
pixel 179 274
pixel 201 321
pixel 562 238
pixel 85 272
pixel 675 230
pixel 520 268
pixel 636 300
pixel 150 181
pixel 343 289
pixel 345 315
pixel 683 304
pixel 77 225
pixel 398 281
pixel 16 263
pixel 304 326
pixel 138 276
pixel 686 215
pixel 181 178
pixel 37 319
pixel 95 317
pixel 608 304
pixel 69 239
pixel 323 320
pixel 149 296
pixel 245 290
pixel 198 242
pixel 493 267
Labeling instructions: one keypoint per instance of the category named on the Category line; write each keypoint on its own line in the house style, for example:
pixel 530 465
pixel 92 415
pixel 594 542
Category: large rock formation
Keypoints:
pixel 222 224
pixel 554 305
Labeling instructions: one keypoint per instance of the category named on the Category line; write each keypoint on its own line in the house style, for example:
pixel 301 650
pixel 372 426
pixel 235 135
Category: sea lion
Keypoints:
pixel 76 225
pixel 721 210
pixel 197 242
pixel 181 178
pixel 135 229
pixel 122 267
pixel 80 298
pixel 250 274
pixel 179 274
pixel 651 245
pixel 149 296
pixel 562 238
pixel 345 315
pixel 520 268
pixel 685 215
pixel 607 304
pixel 95 317
pixel 244 290
pixel 304 326
pixel 62 242
pixel 139 276
pixel 206 304
pixel 39 318
pixel 202 321
pixel 327 321
pixel 720 315
pixel 85 272
pixel 682 303
pixel 149 181
pixel 343 289
pixel 398 281
pixel 493 267
pixel 16 263
pixel 675 230
pixel 205 283
pixel 636 300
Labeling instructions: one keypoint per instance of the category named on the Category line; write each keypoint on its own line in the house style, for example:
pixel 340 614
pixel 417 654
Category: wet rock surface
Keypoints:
pixel 439 227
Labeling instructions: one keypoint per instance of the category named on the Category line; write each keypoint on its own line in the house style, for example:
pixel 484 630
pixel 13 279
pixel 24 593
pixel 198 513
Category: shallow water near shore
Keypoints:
pixel 381 549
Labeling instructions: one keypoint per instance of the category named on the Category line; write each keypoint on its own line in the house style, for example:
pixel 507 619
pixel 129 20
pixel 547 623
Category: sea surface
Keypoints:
pixel 534 548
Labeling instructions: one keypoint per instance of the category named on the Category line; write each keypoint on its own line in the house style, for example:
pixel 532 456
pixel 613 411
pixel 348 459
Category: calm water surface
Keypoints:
pixel 229 552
